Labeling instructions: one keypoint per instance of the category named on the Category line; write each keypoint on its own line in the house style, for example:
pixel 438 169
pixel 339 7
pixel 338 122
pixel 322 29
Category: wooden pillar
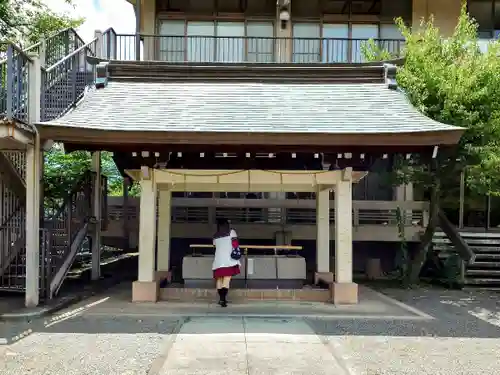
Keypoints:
pixel 32 297
pixel 146 287
pixel 33 178
pixel 462 200
pixel 323 237
pixel 164 234
pixel 126 226
pixel 344 291
pixel 97 211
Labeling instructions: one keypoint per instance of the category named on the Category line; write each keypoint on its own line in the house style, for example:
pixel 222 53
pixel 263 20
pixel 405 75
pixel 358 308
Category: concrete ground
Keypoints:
pixel 424 331
pixel 10 302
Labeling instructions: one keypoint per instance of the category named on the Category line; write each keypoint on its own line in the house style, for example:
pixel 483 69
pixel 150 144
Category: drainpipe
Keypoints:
pixel 137 29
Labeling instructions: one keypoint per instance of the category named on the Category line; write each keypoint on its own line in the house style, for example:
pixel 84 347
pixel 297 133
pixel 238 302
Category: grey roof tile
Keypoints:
pixel 244 107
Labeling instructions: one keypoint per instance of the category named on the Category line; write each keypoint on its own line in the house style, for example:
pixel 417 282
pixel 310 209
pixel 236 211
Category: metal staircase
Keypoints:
pixel 64 231
pixel 66 75
pixel 484 271
pixel 68 227
pixel 12 229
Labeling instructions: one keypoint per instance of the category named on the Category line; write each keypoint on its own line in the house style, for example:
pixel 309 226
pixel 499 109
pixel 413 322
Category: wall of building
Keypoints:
pixel 445 13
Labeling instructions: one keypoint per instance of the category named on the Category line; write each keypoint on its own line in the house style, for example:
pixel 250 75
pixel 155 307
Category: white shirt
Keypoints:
pixel 223 249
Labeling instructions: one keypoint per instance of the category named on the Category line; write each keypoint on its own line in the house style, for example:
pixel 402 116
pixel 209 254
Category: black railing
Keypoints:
pixel 45 262
pixel 60 45
pixel 14 88
pixel 64 83
pixel 65 223
pixel 108 44
pixel 242 49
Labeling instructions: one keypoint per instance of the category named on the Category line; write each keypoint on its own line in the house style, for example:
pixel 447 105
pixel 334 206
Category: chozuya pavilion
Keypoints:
pixel 199 127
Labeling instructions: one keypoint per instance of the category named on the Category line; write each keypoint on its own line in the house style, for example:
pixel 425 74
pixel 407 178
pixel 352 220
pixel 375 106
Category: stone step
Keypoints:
pixel 202 294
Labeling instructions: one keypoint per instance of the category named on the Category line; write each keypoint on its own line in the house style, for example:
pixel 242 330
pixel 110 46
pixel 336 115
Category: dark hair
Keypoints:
pixel 222 223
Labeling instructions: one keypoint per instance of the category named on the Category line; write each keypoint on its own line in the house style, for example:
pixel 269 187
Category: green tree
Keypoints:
pixel 452 81
pixel 25 22
pixel 62 170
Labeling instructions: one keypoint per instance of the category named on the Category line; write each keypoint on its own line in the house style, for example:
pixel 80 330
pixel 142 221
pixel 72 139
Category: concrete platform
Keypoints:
pixel 372 305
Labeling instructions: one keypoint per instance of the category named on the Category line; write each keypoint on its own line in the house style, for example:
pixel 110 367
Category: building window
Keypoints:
pixel 216 41
pixel 306 43
pixel 487 15
pixel 341 42
pixel 260 42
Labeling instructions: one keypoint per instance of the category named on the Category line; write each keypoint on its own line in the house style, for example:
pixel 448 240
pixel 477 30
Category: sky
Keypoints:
pixel 99 15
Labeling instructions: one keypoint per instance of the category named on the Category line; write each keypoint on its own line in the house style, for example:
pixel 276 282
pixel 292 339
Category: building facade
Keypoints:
pixel 274 94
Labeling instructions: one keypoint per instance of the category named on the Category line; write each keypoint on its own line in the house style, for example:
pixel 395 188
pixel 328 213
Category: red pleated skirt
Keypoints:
pixel 226 271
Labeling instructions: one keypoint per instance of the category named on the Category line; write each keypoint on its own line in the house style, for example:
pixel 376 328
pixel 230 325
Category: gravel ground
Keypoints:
pixel 85 345
pixel 383 355
pixel 462 339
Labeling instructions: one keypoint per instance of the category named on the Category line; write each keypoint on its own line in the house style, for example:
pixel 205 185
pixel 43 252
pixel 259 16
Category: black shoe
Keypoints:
pixel 223 297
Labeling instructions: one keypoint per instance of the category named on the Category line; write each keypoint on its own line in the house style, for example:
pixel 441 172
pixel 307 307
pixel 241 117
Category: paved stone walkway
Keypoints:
pixel 249 346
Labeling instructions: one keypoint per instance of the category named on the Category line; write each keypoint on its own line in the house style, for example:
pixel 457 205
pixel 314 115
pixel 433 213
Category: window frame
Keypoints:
pixel 493 29
pixel 214 20
pixel 341 20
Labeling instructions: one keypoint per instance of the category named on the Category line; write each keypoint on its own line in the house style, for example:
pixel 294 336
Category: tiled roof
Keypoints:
pixel 248 107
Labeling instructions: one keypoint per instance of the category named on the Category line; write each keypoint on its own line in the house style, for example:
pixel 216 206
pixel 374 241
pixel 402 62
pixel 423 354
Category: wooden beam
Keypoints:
pixel 347 174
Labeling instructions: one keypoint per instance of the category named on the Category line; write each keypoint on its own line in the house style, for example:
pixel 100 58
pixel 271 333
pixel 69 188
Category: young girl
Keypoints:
pixel 224 267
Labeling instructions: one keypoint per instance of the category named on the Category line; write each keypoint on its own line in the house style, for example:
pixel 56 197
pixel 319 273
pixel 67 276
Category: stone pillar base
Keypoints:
pixel 344 293
pixel 145 291
pixel 162 275
pixel 326 277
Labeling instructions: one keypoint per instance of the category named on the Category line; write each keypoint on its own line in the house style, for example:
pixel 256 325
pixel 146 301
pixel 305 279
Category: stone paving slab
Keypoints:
pixel 249 346
pixel 258 330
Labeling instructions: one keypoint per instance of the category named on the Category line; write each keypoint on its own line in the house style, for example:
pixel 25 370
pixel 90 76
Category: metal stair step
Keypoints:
pixel 483 272
pixel 486 249
pixel 484 264
pixel 485 256
pixel 482 281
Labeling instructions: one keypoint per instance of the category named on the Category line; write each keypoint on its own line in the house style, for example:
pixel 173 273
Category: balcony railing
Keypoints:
pixel 272 211
pixel 203 49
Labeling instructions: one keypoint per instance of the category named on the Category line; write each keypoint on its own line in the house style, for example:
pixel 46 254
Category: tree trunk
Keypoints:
pixel 418 260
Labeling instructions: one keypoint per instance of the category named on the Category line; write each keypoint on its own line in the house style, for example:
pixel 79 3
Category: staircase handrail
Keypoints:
pixel 50 36
pixel 17 49
pixel 24 51
pixel 461 247
pixel 13 97
pixel 69 225
pixel 67 57
pixel 57 77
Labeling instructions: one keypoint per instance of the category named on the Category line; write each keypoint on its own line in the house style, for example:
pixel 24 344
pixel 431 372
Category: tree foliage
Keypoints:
pixel 453 81
pixel 62 170
pixel 25 22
